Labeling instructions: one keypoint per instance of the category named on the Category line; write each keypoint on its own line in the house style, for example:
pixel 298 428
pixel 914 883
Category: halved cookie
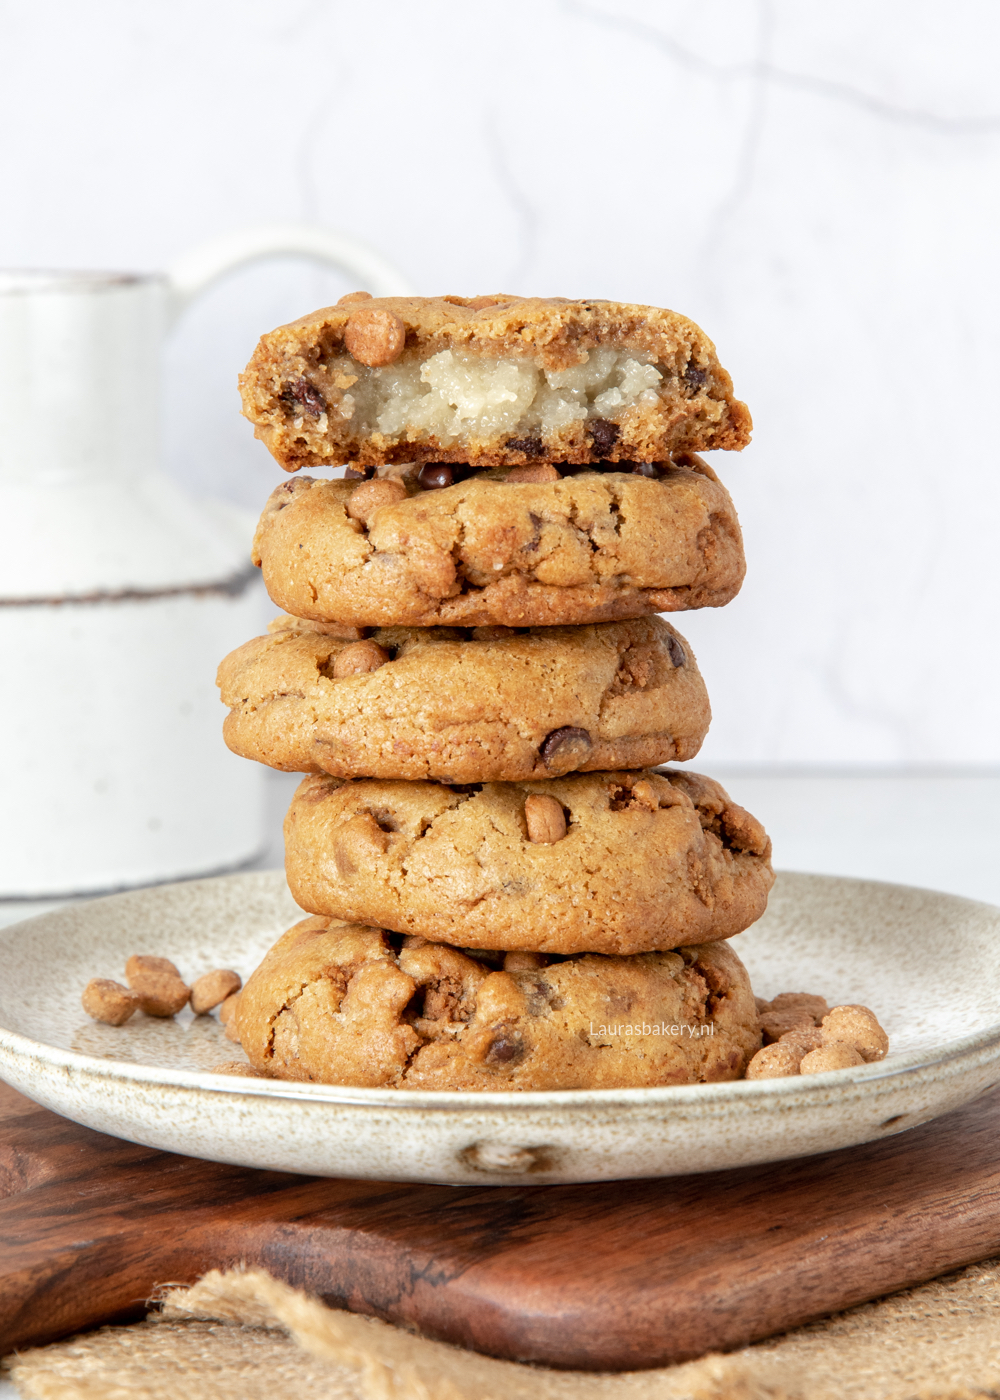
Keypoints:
pixel 465 705
pixel 340 1003
pixel 490 380
pixel 619 863
pixel 586 548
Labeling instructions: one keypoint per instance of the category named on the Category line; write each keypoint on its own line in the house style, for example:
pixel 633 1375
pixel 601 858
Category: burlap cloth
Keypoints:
pixel 242 1335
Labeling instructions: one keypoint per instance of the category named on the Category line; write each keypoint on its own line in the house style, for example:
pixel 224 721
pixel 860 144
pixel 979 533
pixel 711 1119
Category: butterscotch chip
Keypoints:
pixel 496 705
pixel 212 989
pixel 346 1004
pixel 790 1011
pixel 804 1040
pixel 497 381
pixel 523 962
pixel 776 1024
pixel 227 1007
pixel 534 471
pixel 359 658
pixel 857 1026
pixel 812 1005
pixel 370 496
pixel 239 1067
pixel 109 1001
pixel 375 336
pixel 160 993
pixel 455 865
pixel 349 298
pixel 141 965
pixel 587 548
pixel 777 1061
pixel 833 1054
pixel 545 818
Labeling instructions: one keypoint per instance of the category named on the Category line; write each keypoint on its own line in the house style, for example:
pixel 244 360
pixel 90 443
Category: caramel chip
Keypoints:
pixel 375 336
pixel 141 965
pixel 534 471
pixel 158 985
pixel 545 819
pixel 240 1067
pixel 778 1061
pixel 213 989
pixel 227 1008
pixel 160 994
pixel 833 1054
pixel 109 1001
pixel 859 1027
pixel 370 496
pixel 359 658
pixel 524 962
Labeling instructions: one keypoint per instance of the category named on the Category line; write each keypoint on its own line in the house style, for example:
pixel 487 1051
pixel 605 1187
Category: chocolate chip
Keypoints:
pixel 695 377
pixel 503 1051
pixel 603 435
pixel 677 653
pixel 653 469
pixel 435 475
pixel 530 446
pixel 566 735
pixel 352 474
pixel 306 395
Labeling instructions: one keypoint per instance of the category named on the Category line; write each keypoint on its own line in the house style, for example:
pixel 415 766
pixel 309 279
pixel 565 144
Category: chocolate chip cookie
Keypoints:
pixel 616 863
pixel 465 705
pixel 341 1003
pixel 495 381
pixel 487 550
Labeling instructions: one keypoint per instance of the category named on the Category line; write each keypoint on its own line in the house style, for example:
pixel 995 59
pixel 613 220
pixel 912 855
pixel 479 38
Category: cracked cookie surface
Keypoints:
pixel 452 705
pixel 489 380
pixel 341 1003
pixel 649 861
pixel 593 547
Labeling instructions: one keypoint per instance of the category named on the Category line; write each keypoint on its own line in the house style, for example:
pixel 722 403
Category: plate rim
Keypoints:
pixel 16 1046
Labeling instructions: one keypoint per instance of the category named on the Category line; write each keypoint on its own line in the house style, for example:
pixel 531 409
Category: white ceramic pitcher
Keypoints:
pixel 119 594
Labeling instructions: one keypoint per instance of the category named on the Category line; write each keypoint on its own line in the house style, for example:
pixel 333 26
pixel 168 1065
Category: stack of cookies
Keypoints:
pixel 506 890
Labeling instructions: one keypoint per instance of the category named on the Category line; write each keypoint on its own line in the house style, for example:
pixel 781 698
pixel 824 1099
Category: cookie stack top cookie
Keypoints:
pixel 494 381
pixel 470 671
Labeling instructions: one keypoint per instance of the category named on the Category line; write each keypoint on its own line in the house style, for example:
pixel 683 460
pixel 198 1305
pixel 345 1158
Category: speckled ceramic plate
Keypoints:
pixel 928 963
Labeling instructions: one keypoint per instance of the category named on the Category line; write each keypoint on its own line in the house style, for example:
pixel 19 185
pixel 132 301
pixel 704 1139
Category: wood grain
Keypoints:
pixel 611 1276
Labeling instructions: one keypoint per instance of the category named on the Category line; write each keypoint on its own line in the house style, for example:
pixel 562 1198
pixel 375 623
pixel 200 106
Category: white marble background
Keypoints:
pixel 818 185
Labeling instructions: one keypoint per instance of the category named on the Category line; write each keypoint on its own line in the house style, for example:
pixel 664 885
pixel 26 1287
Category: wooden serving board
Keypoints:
pixel 613 1276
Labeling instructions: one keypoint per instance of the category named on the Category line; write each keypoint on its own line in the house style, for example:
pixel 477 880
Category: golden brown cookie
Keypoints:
pixel 493 380
pixel 648 860
pixel 345 1004
pixel 587 548
pixel 465 705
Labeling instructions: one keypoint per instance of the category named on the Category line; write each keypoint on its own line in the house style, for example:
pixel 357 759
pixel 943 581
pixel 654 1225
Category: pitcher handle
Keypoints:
pixel 191 273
